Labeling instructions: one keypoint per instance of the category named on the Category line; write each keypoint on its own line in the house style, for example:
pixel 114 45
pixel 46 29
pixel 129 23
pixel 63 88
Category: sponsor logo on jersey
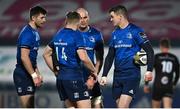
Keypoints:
pixel 123 46
pixel 129 35
pixel 164 80
pixel 35 48
pixel 89 48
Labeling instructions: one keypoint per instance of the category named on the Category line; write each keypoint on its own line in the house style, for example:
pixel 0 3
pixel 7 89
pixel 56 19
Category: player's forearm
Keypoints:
pixel 87 62
pixel 48 60
pixel 85 59
pixel 150 55
pixel 27 64
pixel 108 61
pixel 98 65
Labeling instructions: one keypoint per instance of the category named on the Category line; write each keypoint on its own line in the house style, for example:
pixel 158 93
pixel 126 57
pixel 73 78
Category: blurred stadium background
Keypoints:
pixel 159 18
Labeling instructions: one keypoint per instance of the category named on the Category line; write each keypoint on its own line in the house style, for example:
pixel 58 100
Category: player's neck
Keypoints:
pixel 84 29
pixel 32 25
pixel 124 24
pixel 73 27
pixel 165 50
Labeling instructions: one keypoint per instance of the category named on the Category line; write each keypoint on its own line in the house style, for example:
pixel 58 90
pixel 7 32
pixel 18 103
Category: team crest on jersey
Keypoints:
pixel 129 35
pixel 143 35
pixel 92 39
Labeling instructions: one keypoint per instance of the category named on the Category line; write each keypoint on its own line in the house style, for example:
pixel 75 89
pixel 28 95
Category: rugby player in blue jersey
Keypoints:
pixel 127 39
pixel 70 50
pixel 94 46
pixel 26 74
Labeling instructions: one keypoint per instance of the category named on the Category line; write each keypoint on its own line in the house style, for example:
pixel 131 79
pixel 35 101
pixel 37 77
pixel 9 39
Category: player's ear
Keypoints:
pixel 33 18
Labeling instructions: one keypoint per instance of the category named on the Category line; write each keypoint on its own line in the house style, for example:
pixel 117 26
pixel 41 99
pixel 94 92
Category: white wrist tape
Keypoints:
pixel 34 75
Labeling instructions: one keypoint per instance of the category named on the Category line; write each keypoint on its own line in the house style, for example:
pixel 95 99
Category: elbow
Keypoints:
pixel 44 55
pixel 83 59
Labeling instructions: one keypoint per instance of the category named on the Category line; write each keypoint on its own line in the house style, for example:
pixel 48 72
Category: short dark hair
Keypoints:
pixel 37 10
pixel 165 42
pixel 72 17
pixel 119 9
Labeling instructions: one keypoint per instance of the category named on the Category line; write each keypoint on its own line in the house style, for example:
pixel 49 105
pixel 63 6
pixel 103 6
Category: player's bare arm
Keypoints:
pixel 47 55
pixel 85 59
pixel 27 64
pixel 38 72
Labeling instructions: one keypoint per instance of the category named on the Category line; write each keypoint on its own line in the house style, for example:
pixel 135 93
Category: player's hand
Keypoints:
pixel 41 78
pixel 39 74
pixel 36 79
pixel 90 82
pixel 56 73
pixel 103 81
pixel 94 75
pixel 146 89
pixel 148 76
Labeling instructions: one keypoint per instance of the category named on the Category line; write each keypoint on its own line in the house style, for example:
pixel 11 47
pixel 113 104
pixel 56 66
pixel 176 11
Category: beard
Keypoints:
pixel 37 25
pixel 83 28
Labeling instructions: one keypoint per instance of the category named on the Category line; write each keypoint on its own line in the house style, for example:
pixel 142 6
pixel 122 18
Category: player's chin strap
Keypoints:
pixel 97 100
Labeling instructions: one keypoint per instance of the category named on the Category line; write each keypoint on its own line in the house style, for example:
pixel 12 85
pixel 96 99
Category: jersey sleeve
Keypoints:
pixel 80 41
pixel 155 61
pixel 139 36
pixel 111 41
pixel 176 71
pixel 51 43
pixel 26 40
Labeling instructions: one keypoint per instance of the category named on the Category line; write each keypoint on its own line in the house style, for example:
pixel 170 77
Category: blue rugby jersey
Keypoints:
pixel 66 43
pixel 127 43
pixel 28 38
pixel 93 38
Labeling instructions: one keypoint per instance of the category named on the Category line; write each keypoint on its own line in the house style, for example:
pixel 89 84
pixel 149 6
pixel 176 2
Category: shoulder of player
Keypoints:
pixel 26 30
pixel 115 31
pixel 169 54
pixel 173 55
pixel 157 54
pixel 95 30
pixel 136 29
